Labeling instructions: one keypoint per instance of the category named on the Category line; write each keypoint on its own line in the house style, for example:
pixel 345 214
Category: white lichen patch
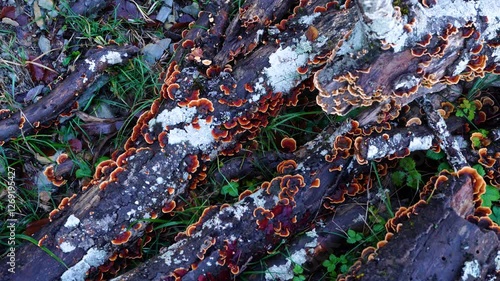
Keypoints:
pixel 299 257
pixel 497 261
pixel 93 258
pixel 285 271
pixel 282 73
pixel 309 19
pixel 131 213
pixel 200 138
pixel 496 54
pixel 462 65
pixel 280 272
pixel 72 222
pixel 472 269
pixel 259 90
pixel 167 256
pixel 66 247
pixel 91 64
pixel 173 117
pixel 420 143
pixel 111 58
pixel 372 151
pixel 380 149
pixel 406 82
pixel 238 210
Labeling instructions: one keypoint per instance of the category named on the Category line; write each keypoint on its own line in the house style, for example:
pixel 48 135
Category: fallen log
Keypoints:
pixel 65 94
pixel 435 235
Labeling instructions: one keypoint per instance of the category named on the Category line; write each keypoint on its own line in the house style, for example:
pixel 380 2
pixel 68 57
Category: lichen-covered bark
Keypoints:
pixel 227 237
pixel 401 53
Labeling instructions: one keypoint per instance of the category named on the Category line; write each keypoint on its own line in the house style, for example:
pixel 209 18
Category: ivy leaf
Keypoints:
pixel 407 164
pixel 398 178
pixel 231 189
pixel 492 194
pixel 435 155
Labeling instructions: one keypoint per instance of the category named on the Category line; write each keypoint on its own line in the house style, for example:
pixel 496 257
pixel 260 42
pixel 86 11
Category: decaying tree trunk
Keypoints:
pixel 213 101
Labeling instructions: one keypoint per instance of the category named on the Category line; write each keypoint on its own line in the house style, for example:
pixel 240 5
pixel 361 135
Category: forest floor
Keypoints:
pixel 41 42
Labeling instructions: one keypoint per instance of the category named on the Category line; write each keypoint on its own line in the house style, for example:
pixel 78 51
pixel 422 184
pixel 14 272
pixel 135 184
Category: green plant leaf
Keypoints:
pixel 435 155
pixel 480 170
pixel 353 237
pixel 495 214
pixel 413 179
pixel 231 189
pixel 297 269
pixel 398 178
pixel 43 248
pixel 444 166
pixel 407 164
pixel 491 195
pixel 378 227
pixel 83 171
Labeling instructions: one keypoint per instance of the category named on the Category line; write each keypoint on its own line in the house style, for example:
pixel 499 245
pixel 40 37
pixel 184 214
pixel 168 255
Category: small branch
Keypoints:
pixel 447 142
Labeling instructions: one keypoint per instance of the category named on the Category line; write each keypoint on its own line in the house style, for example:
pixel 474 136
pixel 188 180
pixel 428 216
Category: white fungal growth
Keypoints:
pixel 173 117
pixel 420 143
pixel 282 73
pixel 200 138
pixel 111 58
pixel 93 258
pixel 72 222
pixel 472 269
pixel 66 247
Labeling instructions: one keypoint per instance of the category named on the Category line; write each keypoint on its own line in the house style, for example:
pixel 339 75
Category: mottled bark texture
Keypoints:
pixel 228 79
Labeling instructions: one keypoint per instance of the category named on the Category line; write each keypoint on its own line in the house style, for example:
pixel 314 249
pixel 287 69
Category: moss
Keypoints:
pixel 403 7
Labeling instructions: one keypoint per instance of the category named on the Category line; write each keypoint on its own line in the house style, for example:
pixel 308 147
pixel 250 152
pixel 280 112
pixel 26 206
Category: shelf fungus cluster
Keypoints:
pixel 422 51
pixel 461 191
